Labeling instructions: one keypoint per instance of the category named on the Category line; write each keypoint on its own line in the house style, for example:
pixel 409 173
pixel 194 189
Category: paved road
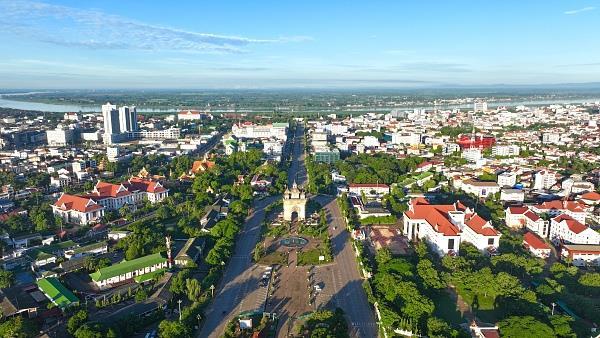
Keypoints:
pixel 239 277
pixel 346 290
pixel 297 170
pixel 239 289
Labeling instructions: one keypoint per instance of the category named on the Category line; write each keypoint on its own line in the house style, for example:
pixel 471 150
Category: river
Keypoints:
pixel 65 108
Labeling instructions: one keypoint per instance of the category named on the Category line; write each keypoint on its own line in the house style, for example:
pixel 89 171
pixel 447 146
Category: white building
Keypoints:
pixel 191 115
pixel 582 254
pixel 60 137
pixel 370 190
pixel 550 138
pixel 507 179
pixel 480 188
pixel 544 180
pixel 512 195
pixel 410 139
pixel 472 154
pixel 370 141
pixel 118 122
pixel 480 106
pixel 506 150
pixel 172 133
pixel 565 229
pixel 112 153
pixel 574 209
pixel 77 209
pixel 249 130
pixel 536 245
pixel 444 227
pixel 519 217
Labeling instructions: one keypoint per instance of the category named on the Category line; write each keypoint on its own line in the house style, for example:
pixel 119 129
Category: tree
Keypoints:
pixel 7 279
pixel 173 329
pixel 526 326
pixel 18 327
pixel 141 294
pixel 88 331
pixel 178 283
pixel 562 326
pixel 429 275
pixel 437 328
pixel 78 319
pixel 194 292
pixel 383 256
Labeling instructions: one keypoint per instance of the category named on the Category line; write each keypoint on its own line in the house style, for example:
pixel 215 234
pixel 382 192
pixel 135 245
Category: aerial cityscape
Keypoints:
pixel 299 169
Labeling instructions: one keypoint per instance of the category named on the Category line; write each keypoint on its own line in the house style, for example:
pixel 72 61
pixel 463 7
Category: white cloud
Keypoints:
pixel 68 26
pixel 577 11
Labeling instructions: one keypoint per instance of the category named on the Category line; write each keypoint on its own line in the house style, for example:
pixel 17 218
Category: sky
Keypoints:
pixel 111 44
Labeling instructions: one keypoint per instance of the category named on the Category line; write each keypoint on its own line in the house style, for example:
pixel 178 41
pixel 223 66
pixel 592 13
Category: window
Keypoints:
pixel 451 244
pixel 490 241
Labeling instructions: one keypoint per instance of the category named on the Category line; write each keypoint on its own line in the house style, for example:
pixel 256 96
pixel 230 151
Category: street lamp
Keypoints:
pixel 212 291
pixel 179 303
pixel 198 317
pixel 553 305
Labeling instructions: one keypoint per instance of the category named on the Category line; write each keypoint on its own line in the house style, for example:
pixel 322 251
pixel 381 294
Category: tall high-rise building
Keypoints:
pixel 127 119
pixel 118 122
pixel 110 114
pixel 480 106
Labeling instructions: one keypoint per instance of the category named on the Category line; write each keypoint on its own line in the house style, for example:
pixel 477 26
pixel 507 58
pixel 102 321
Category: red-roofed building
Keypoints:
pixel 112 196
pixel 445 226
pixel 590 198
pixel 536 245
pixel 566 229
pixel 575 209
pixel 144 189
pixel 77 209
pixel 519 217
pixel 109 196
pixel 424 166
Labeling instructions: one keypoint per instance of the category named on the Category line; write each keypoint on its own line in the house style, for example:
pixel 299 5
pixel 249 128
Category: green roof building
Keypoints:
pixel 57 293
pixel 126 270
pixel 327 156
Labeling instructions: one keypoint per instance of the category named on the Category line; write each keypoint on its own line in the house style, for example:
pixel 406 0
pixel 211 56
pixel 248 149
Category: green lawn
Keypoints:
pixel 275 257
pixel 311 257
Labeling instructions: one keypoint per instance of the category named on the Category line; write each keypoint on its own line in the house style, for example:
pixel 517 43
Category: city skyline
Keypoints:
pixel 107 44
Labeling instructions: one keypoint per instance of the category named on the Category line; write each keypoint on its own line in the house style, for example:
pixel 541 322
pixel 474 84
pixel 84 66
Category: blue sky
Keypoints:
pixel 296 44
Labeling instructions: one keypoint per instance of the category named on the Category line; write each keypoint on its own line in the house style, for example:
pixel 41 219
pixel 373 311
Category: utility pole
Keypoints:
pixel 179 303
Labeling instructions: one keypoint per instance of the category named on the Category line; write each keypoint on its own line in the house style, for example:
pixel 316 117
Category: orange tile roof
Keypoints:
pixel 573 224
pixel 199 166
pixel 517 210
pixel 534 241
pixel 105 189
pixel 140 184
pixel 592 196
pixel 435 215
pixel 77 203
pixel 561 205
pixel 480 225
